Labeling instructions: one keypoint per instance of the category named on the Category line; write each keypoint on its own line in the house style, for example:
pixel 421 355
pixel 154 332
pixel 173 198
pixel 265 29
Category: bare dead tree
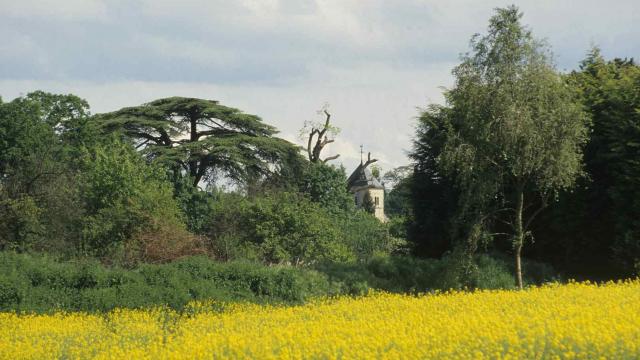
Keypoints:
pixel 318 139
pixel 369 161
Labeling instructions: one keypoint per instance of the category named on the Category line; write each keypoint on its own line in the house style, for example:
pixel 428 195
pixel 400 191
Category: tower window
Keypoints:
pixel 377 201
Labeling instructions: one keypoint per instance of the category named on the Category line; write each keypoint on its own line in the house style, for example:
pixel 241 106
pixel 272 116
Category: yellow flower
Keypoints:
pixel 573 321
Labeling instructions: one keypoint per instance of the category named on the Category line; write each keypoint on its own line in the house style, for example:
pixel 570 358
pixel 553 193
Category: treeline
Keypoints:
pixel 41 284
pixel 142 184
pixel 523 159
pixel 522 167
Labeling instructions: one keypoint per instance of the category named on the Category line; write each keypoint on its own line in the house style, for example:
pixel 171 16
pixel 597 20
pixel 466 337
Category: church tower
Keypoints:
pixel 366 188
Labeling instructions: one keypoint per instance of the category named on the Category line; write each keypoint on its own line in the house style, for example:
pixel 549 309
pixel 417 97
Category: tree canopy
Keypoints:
pixel 594 229
pixel 513 126
pixel 202 138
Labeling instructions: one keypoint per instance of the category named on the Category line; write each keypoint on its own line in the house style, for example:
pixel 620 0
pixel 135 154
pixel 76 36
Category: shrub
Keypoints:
pixel 410 274
pixel 389 273
pixel 40 284
pixel 162 242
pixel 325 185
pixel 276 228
pixel 365 235
pixel 493 274
pixel 125 198
pixel 9 294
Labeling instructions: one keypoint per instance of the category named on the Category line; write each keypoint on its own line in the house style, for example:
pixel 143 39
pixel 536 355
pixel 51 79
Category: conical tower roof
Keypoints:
pixel 363 178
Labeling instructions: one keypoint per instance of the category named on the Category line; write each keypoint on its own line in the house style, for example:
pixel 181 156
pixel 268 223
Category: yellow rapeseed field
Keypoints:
pixel 578 320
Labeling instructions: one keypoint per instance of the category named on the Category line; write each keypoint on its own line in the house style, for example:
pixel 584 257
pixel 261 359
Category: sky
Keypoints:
pixel 373 63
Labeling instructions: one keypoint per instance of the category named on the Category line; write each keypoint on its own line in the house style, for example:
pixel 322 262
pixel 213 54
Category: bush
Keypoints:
pixel 9 294
pixel 162 242
pixel 129 205
pixel 36 283
pixel 325 185
pixel 276 228
pixel 365 235
pixel 389 273
pixel 410 274
pixel 493 274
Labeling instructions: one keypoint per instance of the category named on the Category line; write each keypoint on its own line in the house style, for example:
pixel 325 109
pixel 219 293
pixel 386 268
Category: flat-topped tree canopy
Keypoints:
pixel 202 137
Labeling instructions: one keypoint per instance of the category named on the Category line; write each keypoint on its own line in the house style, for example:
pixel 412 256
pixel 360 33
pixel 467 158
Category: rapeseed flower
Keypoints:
pixel 572 321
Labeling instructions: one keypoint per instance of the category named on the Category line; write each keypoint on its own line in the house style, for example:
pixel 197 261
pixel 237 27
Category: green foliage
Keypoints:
pixel 433 196
pixel 20 225
pixel 411 274
pixel 398 227
pixel 63 189
pixel 278 227
pixel 512 126
pixel 196 204
pixel 37 190
pixel 285 227
pixel 611 91
pixel 40 284
pixel 365 235
pixel 292 229
pixel 397 201
pixel 396 274
pixel 59 111
pixel 202 138
pixel 375 171
pixel 24 135
pixel 36 283
pixel 326 185
pixel 594 229
pixel 123 196
pixel 513 119
pixel 226 229
pixel 367 203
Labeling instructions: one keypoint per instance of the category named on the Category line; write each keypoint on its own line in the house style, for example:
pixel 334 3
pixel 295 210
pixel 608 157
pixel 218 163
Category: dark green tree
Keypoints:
pixel 591 231
pixel 612 92
pixel 433 196
pixel 202 138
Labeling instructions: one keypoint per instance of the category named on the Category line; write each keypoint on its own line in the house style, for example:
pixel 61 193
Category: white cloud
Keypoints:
pixel 93 10
pixel 373 61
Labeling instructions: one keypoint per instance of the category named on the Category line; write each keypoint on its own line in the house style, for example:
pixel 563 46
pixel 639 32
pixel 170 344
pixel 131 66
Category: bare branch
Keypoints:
pixel 369 160
pixel 331 158
pixel 316 144
pixel 327 141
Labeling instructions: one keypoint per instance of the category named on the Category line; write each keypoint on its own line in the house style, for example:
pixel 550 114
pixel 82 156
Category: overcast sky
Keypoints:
pixel 374 62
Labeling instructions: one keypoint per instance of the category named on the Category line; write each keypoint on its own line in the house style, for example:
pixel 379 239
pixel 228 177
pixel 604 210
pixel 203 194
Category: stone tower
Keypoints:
pixel 362 182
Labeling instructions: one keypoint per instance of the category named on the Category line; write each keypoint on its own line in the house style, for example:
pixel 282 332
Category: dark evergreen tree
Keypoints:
pixel 202 138
pixel 433 196
pixel 594 231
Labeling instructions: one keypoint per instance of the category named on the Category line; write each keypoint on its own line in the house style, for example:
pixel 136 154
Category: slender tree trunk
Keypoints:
pixel 193 136
pixel 518 240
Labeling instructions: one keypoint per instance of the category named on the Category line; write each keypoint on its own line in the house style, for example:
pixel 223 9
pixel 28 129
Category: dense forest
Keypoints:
pixel 524 175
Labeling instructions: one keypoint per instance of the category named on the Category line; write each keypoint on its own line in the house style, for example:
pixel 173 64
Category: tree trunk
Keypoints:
pixel 518 240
